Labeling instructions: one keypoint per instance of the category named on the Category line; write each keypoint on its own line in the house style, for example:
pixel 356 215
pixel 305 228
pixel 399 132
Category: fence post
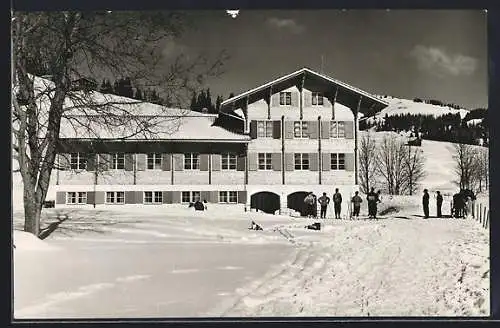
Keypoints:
pixel 480 211
pixel 485 209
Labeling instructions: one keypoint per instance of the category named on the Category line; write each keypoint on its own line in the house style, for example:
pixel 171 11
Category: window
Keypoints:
pixel 338 162
pixel 118 162
pixel 115 197
pixel 228 161
pixel 191 161
pixel 301 161
pixel 300 129
pixel 265 161
pixel 154 161
pixel 337 129
pixel 317 99
pixel 285 98
pixel 228 197
pixel 190 196
pixel 76 198
pixel 78 161
pixel 153 197
pixel 264 129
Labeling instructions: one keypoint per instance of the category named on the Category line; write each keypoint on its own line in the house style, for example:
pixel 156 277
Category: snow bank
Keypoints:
pixel 24 241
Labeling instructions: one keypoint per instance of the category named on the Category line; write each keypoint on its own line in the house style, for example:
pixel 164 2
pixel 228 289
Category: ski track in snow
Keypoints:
pixel 371 270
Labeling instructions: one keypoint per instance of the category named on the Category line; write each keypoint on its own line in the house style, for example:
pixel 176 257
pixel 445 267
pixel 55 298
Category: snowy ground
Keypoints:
pixel 141 262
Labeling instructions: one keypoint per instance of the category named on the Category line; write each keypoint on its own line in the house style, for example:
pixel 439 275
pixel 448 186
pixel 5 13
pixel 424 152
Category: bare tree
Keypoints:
pixel 414 164
pixel 467 165
pixel 391 164
pixel 367 162
pixel 71 46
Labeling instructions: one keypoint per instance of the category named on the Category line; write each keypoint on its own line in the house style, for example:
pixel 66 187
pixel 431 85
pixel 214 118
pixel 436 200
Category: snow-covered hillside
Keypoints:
pixel 399 106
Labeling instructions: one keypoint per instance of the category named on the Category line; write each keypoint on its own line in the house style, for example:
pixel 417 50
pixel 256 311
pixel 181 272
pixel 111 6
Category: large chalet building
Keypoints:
pixel 265 149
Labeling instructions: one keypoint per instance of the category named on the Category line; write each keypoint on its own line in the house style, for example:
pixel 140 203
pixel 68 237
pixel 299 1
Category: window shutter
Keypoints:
pixel 289 162
pixel 240 163
pixel 139 197
pixel 167 197
pixel 313 161
pixel 64 163
pixel 242 197
pixel 99 197
pixel 307 98
pixel 326 161
pixel 214 197
pixel 105 161
pixel 129 197
pixel 325 130
pixel 276 161
pixel 349 131
pixel 203 162
pixel 141 162
pixel 276 129
pixel 176 197
pixel 275 100
pixel 91 161
pixel 349 162
pixel 288 129
pixel 129 162
pixel 295 99
pixel 90 197
pixel 216 162
pixel 165 162
pixel 60 197
pixel 253 129
pixel 205 195
pixel 253 161
pixel 178 162
pixel 312 128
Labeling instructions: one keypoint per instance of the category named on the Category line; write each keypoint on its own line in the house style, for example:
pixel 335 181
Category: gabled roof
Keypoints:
pixel 346 94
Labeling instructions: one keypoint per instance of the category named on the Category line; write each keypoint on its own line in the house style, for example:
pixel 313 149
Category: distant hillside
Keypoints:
pixel 399 106
pixel 431 119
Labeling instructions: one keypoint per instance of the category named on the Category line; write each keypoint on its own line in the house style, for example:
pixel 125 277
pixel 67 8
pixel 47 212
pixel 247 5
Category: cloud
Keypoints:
pixel 286 23
pixel 441 63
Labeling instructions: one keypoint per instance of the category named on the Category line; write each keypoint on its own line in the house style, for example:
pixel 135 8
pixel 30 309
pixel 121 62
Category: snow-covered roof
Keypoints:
pixel 106 116
pixel 172 128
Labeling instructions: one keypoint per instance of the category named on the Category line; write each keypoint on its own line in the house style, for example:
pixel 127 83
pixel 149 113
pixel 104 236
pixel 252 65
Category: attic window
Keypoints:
pixel 317 99
pixel 285 98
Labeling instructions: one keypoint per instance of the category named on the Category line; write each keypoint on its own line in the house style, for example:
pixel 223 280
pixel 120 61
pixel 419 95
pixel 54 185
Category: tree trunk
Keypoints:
pixel 32 212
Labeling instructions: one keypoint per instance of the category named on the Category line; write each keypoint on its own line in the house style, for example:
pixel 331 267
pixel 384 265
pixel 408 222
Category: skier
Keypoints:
pixel 324 201
pixel 337 202
pixel 356 202
pixel 425 203
pixel 372 199
pixel 439 203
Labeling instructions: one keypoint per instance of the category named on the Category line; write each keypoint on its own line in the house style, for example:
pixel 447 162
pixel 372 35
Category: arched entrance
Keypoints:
pixel 295 201
pixel 265 201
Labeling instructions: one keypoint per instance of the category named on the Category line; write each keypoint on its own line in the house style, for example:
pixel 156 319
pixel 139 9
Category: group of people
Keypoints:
pixel 462 203
pixel 310 201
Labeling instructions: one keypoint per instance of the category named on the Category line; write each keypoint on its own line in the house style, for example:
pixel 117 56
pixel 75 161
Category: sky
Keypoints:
pixel 430 54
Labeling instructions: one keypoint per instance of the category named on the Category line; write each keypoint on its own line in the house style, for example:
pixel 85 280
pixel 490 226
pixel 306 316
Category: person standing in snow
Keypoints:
pixel 309 205
pixel 372 203
pixel 356 204
pixel 323 202
pixel 439 203
pixel 425 203
pixel 337 203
